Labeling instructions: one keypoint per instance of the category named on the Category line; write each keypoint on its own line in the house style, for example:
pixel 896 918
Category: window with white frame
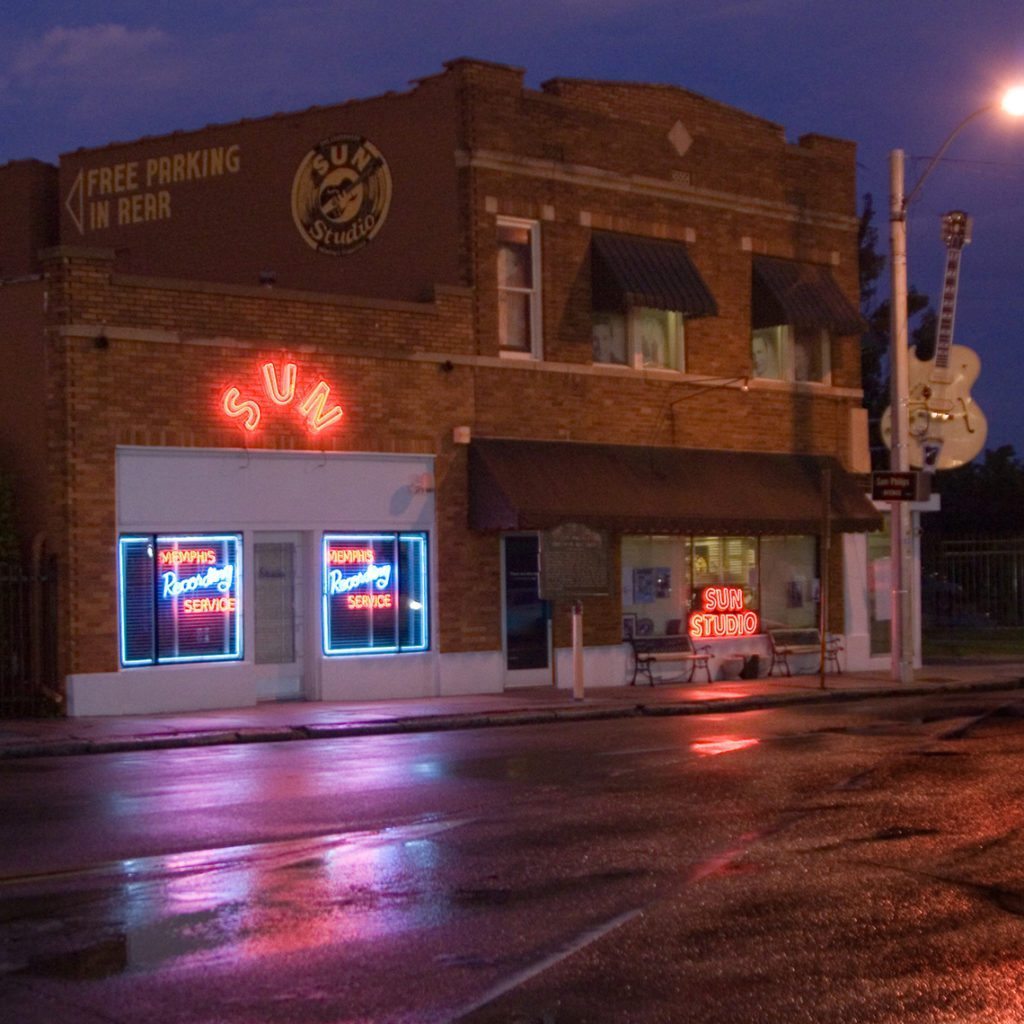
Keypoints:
pixel 519 320
pixel 644 338
pixel 791 352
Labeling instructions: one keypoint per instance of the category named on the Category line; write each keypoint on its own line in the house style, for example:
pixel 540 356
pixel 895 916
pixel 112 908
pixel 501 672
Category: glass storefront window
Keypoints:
pixel 727 560
pixel 655 584
pixel 789 581
pixel 180 598
pixel 664 579
pixel 375 593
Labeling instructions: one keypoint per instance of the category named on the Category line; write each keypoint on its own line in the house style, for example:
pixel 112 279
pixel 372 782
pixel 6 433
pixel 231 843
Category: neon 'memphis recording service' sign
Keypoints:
pixel 180 598
pixel 374 593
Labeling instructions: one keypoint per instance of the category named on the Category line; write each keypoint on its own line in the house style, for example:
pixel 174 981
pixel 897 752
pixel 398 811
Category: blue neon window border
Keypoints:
pixel 397 537
pixel 153 539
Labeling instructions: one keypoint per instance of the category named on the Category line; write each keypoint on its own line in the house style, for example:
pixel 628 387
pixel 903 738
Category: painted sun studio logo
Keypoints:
pixel 341 194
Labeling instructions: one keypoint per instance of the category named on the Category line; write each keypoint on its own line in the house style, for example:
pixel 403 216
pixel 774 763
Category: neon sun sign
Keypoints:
pixel 280 389
pixel 722 615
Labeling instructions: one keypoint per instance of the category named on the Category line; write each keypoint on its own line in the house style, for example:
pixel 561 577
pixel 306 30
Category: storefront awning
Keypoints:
pixel 802 294
pixel 535 485
pixel 630 271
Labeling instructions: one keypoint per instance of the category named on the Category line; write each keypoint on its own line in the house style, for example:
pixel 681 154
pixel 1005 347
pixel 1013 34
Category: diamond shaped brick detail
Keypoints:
pixel 680 138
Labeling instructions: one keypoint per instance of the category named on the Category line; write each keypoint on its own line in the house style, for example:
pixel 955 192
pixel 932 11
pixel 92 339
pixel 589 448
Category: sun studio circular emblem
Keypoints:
pixel 341 194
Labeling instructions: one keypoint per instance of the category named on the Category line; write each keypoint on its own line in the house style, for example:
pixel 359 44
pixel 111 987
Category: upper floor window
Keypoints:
pixel 791 352
pixel 642 291
pixel 644 338
pixel 519 288
pixel 797 309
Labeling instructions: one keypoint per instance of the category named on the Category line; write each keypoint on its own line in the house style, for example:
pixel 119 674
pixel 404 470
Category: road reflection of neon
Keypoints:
pixel 711 746
pixel 716 692
pixel 248 901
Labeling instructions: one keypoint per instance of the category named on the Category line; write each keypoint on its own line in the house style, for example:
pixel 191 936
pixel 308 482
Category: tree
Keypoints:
pixel 981 499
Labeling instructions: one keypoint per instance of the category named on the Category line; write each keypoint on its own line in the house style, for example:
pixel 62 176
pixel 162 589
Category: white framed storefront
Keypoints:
pixel 281 505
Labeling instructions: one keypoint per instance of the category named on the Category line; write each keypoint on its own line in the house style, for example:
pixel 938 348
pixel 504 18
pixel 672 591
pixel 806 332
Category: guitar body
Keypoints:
pixel 947 427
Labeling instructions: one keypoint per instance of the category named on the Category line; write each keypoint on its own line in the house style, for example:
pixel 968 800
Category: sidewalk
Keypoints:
pixel 264 723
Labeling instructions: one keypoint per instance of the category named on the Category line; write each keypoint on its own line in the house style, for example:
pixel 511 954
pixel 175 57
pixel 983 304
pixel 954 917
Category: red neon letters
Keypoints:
pixel 200 605
pixel 722 615
pixel 349 556
pixel 354 601
pixel 280 388
pixel 188 556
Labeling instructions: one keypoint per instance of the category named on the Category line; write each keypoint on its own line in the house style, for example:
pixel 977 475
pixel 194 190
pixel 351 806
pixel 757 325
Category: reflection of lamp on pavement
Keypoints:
pixel 900 527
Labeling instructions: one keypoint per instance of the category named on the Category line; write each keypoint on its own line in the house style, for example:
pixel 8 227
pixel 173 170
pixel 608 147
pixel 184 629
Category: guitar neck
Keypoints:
pixel 956 233
pixel 947 310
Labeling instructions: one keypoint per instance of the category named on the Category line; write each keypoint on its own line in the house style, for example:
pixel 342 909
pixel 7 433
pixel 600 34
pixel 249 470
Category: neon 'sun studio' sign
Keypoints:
pixel 722 615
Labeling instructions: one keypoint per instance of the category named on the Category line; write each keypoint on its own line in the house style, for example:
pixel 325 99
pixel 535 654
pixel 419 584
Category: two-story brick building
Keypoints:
pixel 295 400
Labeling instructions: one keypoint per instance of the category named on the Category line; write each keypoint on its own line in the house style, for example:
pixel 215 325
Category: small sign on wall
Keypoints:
pixel 574 562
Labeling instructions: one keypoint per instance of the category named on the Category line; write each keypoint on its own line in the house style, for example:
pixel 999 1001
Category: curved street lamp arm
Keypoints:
pixel 942 151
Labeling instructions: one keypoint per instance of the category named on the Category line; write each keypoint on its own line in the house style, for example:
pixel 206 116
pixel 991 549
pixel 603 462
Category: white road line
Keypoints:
pixel 570 948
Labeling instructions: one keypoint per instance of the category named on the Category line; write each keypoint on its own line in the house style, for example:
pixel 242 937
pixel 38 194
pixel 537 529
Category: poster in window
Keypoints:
pixel 644 585
pixel 701 560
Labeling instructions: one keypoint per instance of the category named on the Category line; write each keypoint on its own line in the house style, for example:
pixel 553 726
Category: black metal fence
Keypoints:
pixel 974 583
pixel 28 639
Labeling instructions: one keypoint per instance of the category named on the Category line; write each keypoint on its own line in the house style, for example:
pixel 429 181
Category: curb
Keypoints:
pixel 473 720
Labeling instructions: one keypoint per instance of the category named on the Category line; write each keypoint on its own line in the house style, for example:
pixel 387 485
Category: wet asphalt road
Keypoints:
pixel 840 863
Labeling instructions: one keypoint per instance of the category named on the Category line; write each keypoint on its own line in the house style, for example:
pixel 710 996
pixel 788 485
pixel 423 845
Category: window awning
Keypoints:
pixel 535 485
pixel 627 270
pixel 802 294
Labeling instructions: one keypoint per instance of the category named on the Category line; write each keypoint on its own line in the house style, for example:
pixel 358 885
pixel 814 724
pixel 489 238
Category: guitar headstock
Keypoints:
pixel 956 229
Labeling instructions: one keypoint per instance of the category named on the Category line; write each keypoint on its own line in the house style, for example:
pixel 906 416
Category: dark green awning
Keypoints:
pixel 802 294
pixel 627 270
pixel 535 485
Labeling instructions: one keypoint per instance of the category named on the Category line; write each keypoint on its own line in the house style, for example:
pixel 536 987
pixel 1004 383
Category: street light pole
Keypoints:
pixel 901 551
pixel 900 533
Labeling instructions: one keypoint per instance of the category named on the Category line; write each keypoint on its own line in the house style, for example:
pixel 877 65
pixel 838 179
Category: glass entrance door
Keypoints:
pixel 527 620
pixel 278 619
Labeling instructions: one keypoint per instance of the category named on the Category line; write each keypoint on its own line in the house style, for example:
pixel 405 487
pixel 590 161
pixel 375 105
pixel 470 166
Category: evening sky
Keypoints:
pixel 883 73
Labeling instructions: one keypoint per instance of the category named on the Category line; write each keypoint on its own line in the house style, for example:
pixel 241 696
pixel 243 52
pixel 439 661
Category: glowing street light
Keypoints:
pixel 1013 101
pixel 901 536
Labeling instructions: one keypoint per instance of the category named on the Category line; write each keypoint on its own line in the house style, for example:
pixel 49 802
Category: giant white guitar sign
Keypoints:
pixel 947 429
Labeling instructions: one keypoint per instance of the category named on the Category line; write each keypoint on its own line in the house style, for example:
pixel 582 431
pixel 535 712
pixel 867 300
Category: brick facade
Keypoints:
pixel 143 360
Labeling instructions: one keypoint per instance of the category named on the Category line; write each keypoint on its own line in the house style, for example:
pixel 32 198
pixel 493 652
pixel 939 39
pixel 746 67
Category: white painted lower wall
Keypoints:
pixel 471 672
pixel 378 676
pixel 165 689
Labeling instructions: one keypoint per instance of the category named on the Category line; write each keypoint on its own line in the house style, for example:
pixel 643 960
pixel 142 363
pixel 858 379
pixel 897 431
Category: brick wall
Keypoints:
pixel 407 373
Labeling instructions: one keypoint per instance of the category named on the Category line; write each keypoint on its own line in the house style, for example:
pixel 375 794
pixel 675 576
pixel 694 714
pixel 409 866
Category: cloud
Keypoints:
pixel 77 55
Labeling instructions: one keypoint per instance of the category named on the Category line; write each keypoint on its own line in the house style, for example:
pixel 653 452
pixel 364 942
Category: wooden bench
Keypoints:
pixel 676 647
pixel 788 643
